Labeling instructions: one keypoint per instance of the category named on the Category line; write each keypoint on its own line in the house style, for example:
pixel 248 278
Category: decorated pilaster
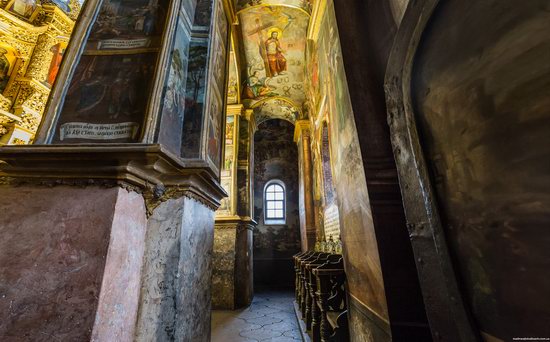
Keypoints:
pixel 302 137
pixel 232 282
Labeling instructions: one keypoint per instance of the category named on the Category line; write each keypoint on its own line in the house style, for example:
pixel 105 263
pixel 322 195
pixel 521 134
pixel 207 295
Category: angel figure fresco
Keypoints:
pixel 256 86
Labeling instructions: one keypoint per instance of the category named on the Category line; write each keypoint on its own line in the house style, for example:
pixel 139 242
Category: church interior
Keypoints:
pixel 275 170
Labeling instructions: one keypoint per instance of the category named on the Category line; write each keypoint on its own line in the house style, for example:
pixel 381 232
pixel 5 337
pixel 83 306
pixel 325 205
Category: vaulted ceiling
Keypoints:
pixel 272 53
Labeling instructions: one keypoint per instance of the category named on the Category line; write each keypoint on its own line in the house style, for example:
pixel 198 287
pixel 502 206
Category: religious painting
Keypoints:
pixel 274 49
pixel 304 5
pixel 274 59
pixel 204 106
pixel 313 75
pixel 203 14
pixel 110 89
pixel 57 50
pixel 229 130
pixel 8 59
pixel 331 217
pixel 128 25
pixel 255 87
pixel 225 206
pixel 233 80
pixel 174 97
pixel 219 48
pixel 23 8
pixel 228 160
pixel 194 98
pixel 106 99
pixel 215 116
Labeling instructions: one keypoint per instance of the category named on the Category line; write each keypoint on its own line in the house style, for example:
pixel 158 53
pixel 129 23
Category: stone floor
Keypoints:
pixel 270 318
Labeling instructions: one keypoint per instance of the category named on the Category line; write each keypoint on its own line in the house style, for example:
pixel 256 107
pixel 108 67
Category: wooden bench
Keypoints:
pixel 320 295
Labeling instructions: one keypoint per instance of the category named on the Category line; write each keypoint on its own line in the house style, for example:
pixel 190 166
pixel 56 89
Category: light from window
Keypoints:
pixel 274 204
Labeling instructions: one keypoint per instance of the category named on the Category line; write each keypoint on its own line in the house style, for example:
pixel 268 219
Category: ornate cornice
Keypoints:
pixel 147 169
pixel 235 223
pixel 235 109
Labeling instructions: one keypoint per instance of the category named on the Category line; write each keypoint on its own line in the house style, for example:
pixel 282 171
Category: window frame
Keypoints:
pixel 277 220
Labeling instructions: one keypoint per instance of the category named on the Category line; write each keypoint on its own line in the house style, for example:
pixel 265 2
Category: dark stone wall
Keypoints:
pixel 481 86
pixel 275 157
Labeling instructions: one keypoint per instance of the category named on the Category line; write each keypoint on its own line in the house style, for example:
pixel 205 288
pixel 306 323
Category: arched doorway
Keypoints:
pixel 277 235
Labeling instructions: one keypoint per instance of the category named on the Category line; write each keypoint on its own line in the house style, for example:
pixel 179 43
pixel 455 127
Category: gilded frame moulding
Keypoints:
pixel 318 13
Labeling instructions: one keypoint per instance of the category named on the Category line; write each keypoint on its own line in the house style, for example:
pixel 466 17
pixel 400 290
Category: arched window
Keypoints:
pixel 274 202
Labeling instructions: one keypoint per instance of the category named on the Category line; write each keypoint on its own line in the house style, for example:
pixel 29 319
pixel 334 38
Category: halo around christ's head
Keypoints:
pixel 275 29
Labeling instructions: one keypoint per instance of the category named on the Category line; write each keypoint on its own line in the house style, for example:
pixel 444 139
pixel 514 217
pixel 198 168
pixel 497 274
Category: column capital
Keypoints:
pixel 302 127
pixel 235 109
pixel 249 115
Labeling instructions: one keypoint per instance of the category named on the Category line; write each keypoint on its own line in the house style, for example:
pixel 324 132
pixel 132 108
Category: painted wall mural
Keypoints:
pixel 204 106
pixel 109 91
pixel 331 216
pixel 228 168
pixel 194 98
pixel 274 51
pixel 233 96
pixel 275 157
pixel 171 130
pixel 326 77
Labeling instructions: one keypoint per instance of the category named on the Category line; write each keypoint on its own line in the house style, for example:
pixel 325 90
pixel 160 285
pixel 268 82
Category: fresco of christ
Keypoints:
pixel 275 58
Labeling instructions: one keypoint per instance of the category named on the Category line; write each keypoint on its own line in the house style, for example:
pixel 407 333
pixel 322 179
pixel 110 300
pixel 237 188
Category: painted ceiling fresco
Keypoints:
pixel 305 5
pixel 274 44
pixel 275 108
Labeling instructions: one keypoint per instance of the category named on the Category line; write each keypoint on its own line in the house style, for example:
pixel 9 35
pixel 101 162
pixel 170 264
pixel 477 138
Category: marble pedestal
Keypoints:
pixel 70 262
pixel 104 245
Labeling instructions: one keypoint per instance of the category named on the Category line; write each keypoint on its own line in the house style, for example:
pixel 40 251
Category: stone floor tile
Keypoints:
pixel 264 320
pixel 270 317
pixel 261 334
pixel 283 326
pixel 293 334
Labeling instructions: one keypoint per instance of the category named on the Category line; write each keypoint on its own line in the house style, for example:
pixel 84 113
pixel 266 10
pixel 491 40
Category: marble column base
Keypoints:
pixel 176 282
pixel 232 280
pixel 70 262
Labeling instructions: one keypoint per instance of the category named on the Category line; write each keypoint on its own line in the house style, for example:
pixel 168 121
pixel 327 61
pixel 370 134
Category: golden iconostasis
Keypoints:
pixel 33 38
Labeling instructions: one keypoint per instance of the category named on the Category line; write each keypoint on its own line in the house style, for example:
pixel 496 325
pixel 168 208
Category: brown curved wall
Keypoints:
pixel 481 87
